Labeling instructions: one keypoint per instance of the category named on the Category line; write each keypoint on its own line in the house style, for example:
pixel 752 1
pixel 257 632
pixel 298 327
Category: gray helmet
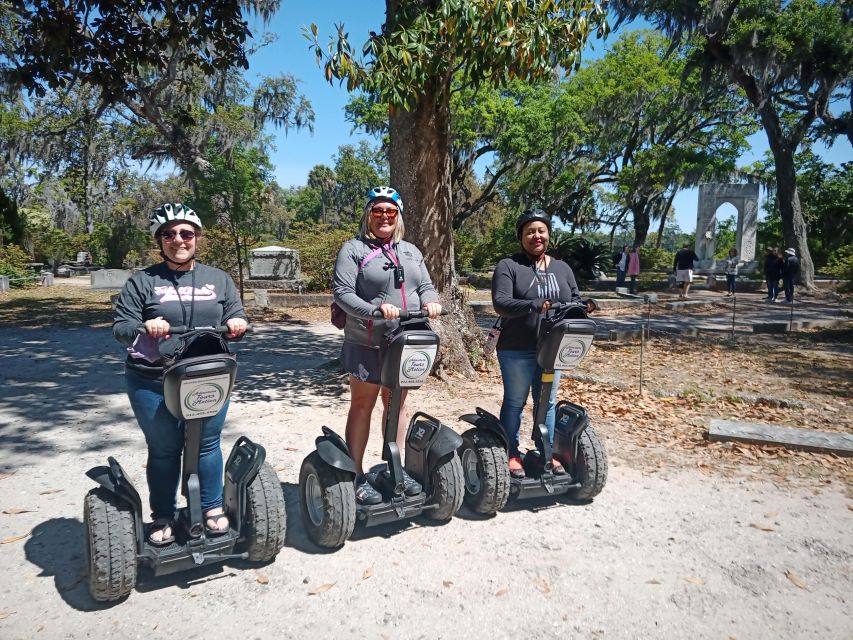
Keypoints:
pixel 529 216
pixel 171 212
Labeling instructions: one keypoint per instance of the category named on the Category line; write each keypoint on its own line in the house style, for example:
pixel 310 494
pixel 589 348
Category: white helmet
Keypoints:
pixel 386 194
pixel 170 212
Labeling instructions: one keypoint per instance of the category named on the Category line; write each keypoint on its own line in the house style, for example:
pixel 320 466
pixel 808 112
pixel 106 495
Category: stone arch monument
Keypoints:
pixel 744 197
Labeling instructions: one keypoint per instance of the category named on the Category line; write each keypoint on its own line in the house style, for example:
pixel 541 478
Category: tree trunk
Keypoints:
pixel 640 209
pixel 788 198
pixel 419 155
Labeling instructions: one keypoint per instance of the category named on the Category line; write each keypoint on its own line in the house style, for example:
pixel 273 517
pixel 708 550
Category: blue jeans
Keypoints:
pixel 772 288
pixel 521 373
pixel 164 435
pixel 730 282
pixel 620 278
pixel 788 282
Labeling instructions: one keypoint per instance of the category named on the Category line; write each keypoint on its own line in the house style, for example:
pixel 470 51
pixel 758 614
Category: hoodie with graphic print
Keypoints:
pixel 518 293
pixel 203 297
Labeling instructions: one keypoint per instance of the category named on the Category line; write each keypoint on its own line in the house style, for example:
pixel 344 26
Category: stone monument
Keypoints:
pixel 274 267
pixel 744 197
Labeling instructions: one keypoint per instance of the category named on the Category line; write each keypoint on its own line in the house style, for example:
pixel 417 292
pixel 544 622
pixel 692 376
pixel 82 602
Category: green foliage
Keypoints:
pixel 726 237
pixel 840 263
pixel 51 245
pixel 496 245
pixel 652 258
pixel 464 244
pixel 13 263
pixel 217 249
pixel 586 258
pixel 318 245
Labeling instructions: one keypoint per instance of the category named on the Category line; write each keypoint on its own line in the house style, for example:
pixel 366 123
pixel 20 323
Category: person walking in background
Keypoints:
pixel 773 266
pixel 731 271
pixel 790 271
pixel 634 268
pixel 683 267
pixel 622 267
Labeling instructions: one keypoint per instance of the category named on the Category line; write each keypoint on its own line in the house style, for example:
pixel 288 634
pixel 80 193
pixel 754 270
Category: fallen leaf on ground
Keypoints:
pixel 15 538
pixel 542 584
pixel 761 527
pixel 795 579
pixel 652 581
pixel 7 474
pixel 262 577
pixel 44 493
pixel 323 588
pixel 368 573
pixel 446 584
pixel 501 592
pixel 850 506
pixel 5 614
pixel 291 449
pixel 13 511
pixel 694 580
pixel 771 514
pixel 280 467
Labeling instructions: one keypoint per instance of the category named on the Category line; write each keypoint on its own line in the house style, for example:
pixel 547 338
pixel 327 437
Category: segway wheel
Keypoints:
pixel 590 469
pixel 110 545
pixel 448 486
pixel 266 516
pixel 486 471
pixel 327 501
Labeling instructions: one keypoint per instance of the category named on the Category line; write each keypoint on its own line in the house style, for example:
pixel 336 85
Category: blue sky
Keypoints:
pixel 297 152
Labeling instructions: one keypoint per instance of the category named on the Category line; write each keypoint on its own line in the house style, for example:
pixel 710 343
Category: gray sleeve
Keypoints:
pixel 129 308
pixel 344 281
pixel 425 290
pixel 233 307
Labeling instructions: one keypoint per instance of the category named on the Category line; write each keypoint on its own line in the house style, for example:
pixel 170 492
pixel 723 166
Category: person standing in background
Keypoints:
pixel 634 268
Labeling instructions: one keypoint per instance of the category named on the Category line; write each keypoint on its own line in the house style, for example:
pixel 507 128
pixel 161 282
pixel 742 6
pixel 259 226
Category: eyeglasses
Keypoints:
pixel 186 234
pixel 378 212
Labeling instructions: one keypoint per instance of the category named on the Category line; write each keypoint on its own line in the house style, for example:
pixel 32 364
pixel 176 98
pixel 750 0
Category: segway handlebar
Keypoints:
pixel 409 315
pixel 181 329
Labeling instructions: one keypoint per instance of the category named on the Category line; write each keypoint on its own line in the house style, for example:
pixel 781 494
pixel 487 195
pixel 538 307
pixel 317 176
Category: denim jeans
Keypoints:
pixel 620 278
pixel 730 282
pixel 164 435
pixel 521 373
pixel 788 282
pixel 772 288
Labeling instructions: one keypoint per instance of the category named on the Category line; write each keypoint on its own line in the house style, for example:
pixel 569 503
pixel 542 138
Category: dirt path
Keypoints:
pixel 675 551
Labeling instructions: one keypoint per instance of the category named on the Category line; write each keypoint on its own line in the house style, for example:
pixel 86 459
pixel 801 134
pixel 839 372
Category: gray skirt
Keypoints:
pixel 364 363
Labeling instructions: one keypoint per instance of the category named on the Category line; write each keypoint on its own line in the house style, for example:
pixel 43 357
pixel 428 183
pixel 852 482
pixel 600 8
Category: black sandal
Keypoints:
pixel 216 531
pixel 518 474
pixel 556 468
pixel 161 524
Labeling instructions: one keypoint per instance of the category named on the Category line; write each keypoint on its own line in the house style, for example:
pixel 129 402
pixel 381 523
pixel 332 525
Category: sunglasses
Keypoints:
pixel 378 212
pixel 186 234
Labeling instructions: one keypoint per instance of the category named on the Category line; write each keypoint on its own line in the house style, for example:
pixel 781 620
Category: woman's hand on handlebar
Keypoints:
pixel 433 309
pixel 237 327
pixel 389 311
pixel 545 306
pixel 157 328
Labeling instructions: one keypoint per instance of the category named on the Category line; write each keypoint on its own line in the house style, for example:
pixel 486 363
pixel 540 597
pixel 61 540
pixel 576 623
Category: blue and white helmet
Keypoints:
pixel 171 212
pixel 386 194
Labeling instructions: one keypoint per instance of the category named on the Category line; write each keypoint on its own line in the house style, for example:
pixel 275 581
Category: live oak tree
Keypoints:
pixel 409 66
pixel 792 59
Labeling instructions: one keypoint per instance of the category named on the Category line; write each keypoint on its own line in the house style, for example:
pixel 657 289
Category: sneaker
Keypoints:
pixel 411 487
pixel 365 493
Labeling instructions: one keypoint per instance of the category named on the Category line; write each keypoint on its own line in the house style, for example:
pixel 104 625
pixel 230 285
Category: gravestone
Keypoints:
pixel 109 278
pixel 274 267
pixel 744 197
pixel 4 284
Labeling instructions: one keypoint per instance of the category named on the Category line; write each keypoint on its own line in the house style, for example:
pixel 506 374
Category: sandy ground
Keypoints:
pixel 678 552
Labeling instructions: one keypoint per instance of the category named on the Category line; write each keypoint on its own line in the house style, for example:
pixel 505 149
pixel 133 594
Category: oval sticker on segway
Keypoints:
pixel 204 398
pixel 572 350
pixel 415 364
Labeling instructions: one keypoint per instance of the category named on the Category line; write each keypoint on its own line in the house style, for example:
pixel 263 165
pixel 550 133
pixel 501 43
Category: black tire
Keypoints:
pixel 590 469
pixel 485 471
pixel 110 545
pixel 266 518
pixel 327 502
pixel 448 489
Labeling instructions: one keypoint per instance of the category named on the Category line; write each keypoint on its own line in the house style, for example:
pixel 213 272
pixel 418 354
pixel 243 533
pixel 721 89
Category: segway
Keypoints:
pixel 195 386
pixel 565 336
pixel 326 479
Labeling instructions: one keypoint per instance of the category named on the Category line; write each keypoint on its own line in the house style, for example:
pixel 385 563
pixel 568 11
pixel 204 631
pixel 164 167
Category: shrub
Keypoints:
pixel 840 263
pixel 654 258
pixel 13 263
pixel 318 245
pixel 586 258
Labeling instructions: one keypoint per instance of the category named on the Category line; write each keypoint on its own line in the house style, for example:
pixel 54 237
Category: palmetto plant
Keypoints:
pixel 584 257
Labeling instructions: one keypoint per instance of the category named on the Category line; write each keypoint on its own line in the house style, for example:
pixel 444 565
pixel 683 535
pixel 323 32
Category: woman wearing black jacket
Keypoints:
pixel 773 267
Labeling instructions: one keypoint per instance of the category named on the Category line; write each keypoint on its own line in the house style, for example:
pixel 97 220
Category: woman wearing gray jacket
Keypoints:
pixel 377 270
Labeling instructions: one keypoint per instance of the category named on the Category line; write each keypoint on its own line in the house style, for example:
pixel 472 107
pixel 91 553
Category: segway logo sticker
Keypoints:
pixel 572 350
pixel 415 365
pixel 204 397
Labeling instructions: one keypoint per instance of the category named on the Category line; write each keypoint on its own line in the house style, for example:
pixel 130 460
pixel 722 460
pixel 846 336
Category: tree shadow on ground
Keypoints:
pixel 62 390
